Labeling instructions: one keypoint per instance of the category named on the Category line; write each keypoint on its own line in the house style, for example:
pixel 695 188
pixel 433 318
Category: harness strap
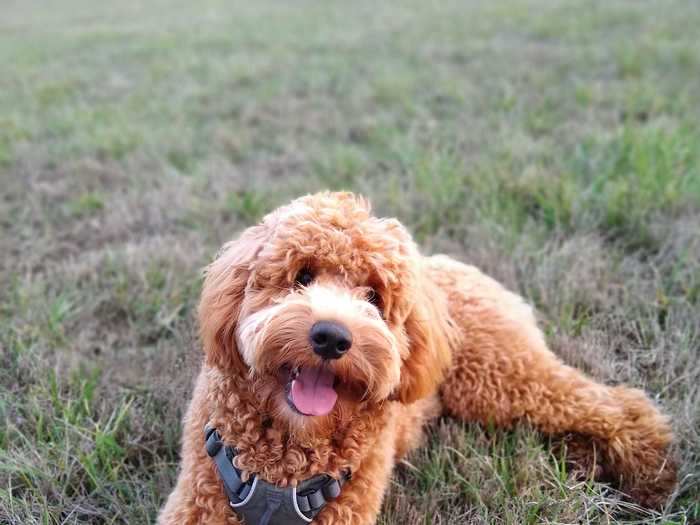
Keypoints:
pixel 223 456
pixel 311 495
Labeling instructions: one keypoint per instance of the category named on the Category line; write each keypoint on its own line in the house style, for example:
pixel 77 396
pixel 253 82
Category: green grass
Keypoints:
pixel 555 145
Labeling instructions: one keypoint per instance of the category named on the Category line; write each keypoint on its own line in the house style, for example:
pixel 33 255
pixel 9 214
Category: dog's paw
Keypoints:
pixel 639 450
pixel 654 483
pixel 636 454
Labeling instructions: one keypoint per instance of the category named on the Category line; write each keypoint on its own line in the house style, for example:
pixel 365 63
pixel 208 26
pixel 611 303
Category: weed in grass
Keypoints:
pixel 247 205
pixel 86 204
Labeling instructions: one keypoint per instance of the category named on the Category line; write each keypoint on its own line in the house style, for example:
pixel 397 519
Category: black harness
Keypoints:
pixel 261 503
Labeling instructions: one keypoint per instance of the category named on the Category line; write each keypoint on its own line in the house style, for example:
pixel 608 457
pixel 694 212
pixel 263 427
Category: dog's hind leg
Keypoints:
pixel 502 372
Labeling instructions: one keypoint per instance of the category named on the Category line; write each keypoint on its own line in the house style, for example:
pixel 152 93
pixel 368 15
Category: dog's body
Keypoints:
pixel 424 335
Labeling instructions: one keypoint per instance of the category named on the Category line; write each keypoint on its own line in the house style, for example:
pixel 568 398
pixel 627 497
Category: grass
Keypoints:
pixel 555 145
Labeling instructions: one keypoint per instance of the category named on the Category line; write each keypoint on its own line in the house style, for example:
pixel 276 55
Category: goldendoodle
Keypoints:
pixel 329 342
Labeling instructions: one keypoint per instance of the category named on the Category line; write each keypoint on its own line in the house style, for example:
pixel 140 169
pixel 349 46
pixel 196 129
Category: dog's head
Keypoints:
pixel 324 308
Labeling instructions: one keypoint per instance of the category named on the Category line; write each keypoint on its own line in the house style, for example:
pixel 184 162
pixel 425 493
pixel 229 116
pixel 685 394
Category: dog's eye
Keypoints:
pixel 304 278
pixel 376 299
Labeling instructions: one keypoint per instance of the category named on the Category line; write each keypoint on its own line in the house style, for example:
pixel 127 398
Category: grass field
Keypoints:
pixel 555 145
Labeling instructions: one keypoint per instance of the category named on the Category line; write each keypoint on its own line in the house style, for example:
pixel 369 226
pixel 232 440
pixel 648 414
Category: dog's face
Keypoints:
pixel 326 309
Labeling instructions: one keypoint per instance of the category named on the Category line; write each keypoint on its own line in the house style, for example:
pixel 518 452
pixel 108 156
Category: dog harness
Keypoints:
pixel 261 503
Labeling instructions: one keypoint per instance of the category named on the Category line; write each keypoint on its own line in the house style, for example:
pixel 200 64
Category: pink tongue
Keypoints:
pixel 312 391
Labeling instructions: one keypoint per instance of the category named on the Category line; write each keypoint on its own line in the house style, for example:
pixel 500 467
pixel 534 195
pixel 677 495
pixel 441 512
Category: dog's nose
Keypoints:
pixel 330 340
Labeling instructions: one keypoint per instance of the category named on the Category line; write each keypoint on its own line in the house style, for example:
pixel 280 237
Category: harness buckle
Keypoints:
pixel 214 443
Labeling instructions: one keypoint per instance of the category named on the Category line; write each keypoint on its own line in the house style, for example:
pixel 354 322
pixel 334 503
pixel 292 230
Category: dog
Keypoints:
pixel 329 343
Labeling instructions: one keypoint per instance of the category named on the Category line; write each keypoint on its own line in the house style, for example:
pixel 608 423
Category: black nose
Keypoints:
pixel 330 340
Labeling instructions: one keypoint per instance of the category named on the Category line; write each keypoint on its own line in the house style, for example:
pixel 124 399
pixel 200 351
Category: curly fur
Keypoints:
pixel 443 338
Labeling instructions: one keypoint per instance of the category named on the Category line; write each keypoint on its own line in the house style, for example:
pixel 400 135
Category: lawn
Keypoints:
pixel 556 145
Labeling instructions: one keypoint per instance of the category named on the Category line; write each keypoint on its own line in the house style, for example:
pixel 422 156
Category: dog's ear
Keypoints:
pixel 430 333
pixel 223 290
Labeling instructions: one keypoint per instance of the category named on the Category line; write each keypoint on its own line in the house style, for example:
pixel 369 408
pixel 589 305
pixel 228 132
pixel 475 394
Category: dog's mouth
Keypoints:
pixel 310 390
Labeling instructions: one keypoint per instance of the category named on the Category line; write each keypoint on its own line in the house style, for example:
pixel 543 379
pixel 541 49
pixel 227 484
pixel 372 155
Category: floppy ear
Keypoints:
pixel 431 333
pixel 223 290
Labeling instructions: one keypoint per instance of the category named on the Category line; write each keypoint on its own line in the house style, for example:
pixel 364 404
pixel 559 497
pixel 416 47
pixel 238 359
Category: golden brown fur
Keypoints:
pixel 442 337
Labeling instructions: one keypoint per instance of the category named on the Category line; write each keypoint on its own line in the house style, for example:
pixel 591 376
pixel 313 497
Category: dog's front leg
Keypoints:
pixel 361 498
pixel 503 372
pixel 198 497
